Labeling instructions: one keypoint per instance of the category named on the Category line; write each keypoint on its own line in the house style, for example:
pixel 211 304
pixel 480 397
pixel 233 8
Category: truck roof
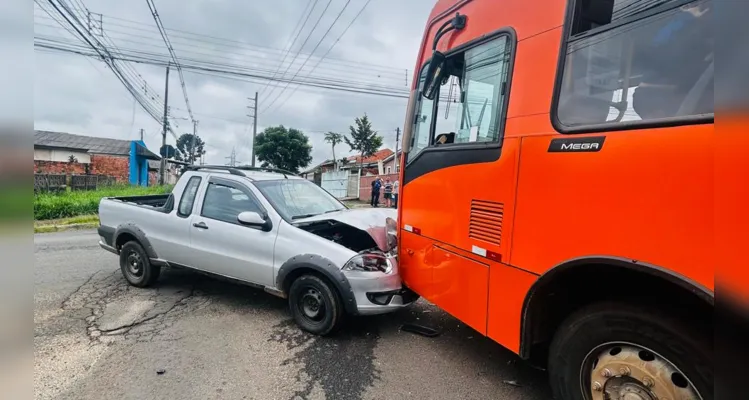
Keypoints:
pixel 252 173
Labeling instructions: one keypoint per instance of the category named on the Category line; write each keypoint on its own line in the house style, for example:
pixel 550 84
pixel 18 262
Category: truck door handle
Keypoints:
pixel 200 225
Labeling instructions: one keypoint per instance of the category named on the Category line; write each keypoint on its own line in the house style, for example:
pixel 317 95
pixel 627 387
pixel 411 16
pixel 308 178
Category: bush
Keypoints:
pixel 72 204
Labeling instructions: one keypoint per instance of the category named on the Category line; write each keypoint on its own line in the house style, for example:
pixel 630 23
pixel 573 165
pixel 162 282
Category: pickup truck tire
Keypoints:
pixel 136 266
pixel 619 350
pixel 315 305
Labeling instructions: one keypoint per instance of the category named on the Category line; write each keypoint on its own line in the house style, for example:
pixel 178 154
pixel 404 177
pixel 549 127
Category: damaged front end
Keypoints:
pixel 369 232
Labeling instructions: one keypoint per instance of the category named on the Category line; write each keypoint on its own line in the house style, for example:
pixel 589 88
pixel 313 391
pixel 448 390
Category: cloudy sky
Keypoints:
pixel 77 94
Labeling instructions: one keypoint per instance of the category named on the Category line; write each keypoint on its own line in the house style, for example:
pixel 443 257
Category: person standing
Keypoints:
pixel 376 185
pixel 388 189
pixel 396 184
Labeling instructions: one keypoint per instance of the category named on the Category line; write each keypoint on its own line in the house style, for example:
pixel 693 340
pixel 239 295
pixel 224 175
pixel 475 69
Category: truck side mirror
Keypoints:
pixel 251 218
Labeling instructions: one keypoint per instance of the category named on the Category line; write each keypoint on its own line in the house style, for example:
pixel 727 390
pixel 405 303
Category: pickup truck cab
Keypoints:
pixel 268 229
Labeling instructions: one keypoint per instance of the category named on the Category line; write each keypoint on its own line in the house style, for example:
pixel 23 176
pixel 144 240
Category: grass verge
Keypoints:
pixel 65 224
pixel 49 206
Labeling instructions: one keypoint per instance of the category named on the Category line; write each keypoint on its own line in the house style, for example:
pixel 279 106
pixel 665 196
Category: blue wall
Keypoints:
pixel 138 165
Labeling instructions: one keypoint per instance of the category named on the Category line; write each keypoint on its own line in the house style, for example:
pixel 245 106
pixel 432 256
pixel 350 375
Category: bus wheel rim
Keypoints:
pixel 626 371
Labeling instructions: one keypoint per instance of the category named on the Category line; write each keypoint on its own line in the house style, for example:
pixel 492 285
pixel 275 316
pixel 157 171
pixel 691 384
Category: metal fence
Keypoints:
pixel 50 182
pixel 45 183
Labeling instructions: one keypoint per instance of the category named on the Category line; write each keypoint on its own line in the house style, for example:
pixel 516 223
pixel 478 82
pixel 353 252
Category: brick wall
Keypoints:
pixel 56 167
pixel 115 166
pixel 365 187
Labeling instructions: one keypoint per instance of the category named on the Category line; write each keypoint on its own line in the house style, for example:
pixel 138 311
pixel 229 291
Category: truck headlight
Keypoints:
pixel 369 262
pixel 391 232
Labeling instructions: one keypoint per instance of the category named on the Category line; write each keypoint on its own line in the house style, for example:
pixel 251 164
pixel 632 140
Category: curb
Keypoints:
pixel 63 228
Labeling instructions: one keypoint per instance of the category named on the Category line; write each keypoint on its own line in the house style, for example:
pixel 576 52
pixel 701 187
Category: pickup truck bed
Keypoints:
pixel 159 202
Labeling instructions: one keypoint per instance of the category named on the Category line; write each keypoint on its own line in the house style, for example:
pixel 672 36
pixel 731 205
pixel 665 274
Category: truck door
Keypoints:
pixel 223 246
pixel 175 245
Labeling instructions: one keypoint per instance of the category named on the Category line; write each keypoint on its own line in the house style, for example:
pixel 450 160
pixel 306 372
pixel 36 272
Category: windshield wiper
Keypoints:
pixel 304 216
pixel 332 211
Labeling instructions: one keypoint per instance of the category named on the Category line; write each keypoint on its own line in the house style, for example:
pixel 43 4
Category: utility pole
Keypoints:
pixel 141 134
pixel 192 142
pixel 162 167
pixel 254 125
pixel 397 142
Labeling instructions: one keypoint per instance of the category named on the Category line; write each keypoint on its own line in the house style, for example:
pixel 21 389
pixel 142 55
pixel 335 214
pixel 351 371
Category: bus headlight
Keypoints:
pixel 391 232
pixel 369 262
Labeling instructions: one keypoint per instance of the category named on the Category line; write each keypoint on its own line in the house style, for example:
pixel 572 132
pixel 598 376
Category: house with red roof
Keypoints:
pixel 369 165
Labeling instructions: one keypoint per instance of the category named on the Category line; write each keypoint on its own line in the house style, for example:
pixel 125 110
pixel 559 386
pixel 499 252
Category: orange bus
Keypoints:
pixel 557 187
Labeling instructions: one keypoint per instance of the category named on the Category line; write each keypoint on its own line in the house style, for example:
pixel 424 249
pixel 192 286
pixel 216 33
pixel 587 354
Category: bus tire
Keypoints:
pixel 598 349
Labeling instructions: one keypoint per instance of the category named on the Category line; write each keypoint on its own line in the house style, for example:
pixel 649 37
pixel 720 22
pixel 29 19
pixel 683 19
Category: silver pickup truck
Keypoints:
pixel 266 228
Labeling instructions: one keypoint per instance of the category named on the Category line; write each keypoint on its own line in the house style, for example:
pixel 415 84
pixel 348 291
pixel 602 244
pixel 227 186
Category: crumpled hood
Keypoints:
pixel 370 220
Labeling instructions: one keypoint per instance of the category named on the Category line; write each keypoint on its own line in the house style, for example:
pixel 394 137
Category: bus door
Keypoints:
pixel 458 179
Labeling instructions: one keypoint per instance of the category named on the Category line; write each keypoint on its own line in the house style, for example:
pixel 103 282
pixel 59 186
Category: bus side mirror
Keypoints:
pixel 435 73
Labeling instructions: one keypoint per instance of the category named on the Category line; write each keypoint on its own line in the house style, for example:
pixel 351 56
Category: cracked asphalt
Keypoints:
pixel 194 337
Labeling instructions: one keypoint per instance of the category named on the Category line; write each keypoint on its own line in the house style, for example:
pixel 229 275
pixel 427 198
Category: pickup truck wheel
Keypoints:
pixel 136 266
pixel 315 305
pixel 616 351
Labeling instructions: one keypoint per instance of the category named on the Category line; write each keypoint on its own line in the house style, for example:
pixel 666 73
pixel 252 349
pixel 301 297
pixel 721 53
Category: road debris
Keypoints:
pixel 420 330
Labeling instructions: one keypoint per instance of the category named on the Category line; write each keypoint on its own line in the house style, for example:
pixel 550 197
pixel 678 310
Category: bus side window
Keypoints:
pixel 637 61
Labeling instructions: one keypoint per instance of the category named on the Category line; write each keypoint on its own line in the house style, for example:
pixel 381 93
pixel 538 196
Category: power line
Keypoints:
pixel 312 52
pixel 200 37
pixel 115 67
pixel 290 44
pixel 212 54
pixel 150 58
pixel 329 50
pixel 101 51
pixel 309 35
pixel 261 54
pixel 169 47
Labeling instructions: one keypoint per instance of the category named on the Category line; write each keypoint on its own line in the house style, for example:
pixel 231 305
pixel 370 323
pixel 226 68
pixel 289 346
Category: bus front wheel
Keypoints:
pixel 619 351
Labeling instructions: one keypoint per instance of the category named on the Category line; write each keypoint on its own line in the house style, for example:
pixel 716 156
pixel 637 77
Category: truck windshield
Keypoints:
pixel 297 198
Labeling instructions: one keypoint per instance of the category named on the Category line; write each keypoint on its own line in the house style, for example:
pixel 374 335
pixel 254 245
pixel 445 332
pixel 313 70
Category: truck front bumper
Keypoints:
pixel 378 292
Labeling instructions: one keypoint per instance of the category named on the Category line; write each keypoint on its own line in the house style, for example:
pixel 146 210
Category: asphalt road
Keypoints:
pixel 193 337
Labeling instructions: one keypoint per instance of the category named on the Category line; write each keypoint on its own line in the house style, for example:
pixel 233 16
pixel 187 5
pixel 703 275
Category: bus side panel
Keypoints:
pixel 439 203
pixel 460 286
pixel 489 16
pixel 508 287
pixel 731 212
pixel 533 75
pixel 647 195
pixel 413 269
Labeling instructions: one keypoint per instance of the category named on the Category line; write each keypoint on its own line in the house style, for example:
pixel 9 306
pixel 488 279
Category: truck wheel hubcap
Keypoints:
pixel 312 305
pixel 632 372
pixel 134 264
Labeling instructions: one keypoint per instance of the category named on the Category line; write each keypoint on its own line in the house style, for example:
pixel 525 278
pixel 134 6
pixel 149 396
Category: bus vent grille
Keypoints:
pixel 486 221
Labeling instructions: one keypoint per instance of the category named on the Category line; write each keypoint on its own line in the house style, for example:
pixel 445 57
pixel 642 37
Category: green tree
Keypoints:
pixel 184 148
pixel 333 138
pixel 363 139
pixel 283 148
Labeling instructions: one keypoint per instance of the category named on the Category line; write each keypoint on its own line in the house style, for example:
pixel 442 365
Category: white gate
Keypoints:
pixel 336 183
pixel 353 186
